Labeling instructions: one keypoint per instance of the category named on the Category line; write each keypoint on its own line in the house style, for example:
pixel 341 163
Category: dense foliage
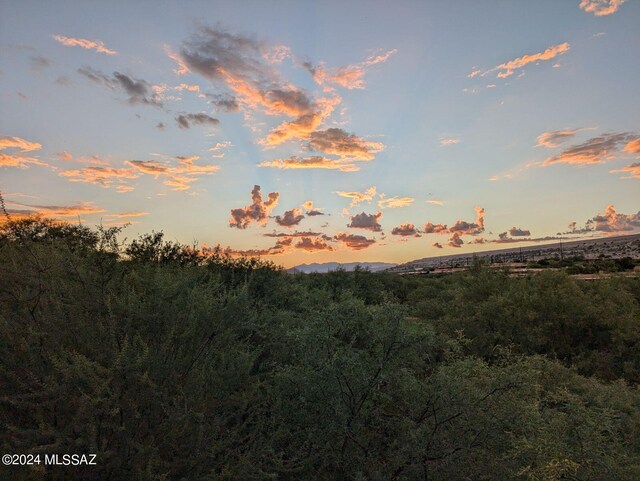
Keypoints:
pixel 169 366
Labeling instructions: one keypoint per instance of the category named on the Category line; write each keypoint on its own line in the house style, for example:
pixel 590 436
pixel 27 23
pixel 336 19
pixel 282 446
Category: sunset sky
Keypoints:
pixel 376 131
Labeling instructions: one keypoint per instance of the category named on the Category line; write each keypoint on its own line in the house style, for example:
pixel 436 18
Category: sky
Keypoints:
pixel 325 131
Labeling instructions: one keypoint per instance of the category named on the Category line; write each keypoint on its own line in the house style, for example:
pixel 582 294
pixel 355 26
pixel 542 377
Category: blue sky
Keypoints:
pixel 479 124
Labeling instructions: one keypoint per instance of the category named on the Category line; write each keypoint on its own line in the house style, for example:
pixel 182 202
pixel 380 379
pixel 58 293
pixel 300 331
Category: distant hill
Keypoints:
pixel 615 247
pixel 332 266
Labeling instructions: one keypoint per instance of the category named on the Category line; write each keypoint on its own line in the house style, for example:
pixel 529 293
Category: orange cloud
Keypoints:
pixel 315 162
pixel 349 76
pixel 594 151
pixel 610 223
pixel 176 176
pixel 276 53
pixel 11 160
pixel 304 125
pixel 359 197
pixel 601 7
pixel 555 138
pixel 125 215
pixel 257 211
pixel 460 227
pixel 449 141
pixel 391 202
pixel 182 68
pixel 244 66
pixel 105 176
pixel 613 222
pixel 58 210
pixel 16 160
pixel 96 45
pixel 470 228
pixel 18 143
pixel 66 156
pixel 435 202
pixel 310 211
pixel 190 88
pixel 508 68
pixel 353 241
pixel 633 170
pixel 633 147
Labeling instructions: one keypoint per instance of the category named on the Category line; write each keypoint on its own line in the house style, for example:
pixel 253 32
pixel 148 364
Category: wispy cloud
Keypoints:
pixel 106 177
pixel 314 162
pixel 508 68
pixel 593 151
pixel 39 63
pixel 96 45
pixel 554 138
pixel 139 91
pixel 127 215
pixel 359 197
pixel 632 171
pixel 55 211
pixel 15 159
pixel 497 177
pixel 181 66
pixel 246 69
pixel 178 175
pixel 349 76
pixel 449 141
pixel 237 62
pixel 18 143
pixel 503 238
pixel 391 202
pixel 185 120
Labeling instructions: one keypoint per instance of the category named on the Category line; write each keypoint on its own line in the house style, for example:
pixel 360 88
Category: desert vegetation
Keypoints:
pixel 171 365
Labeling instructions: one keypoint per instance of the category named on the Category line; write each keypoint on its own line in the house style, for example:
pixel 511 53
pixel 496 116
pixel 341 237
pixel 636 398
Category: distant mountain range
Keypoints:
pixel 332 266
